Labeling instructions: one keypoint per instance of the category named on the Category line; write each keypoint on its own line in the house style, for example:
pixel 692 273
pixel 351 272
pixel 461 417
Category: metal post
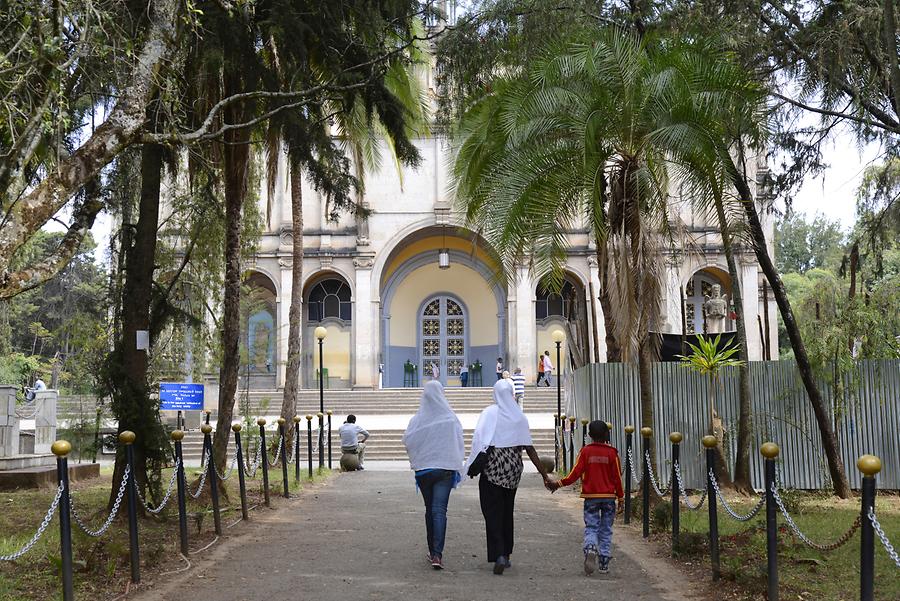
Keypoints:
pixel 675 438
pixel 264 453
pixel 178 421
pixel 297 448
pixel 869 465
pixel 646 433
pixel 710 442
pixel 177 437
pixel 62 448
pixel 127 438
pixel 329 437
pixel 236 428
pixel 559 380
pixel 770 451
pixel 584 423
pixel 572 421
pixel 283 446
pixel 562 437
pixel 555 442
pixel 321 401
pixel 309 448
pixel 207 412
pixel 629 452
pixel 213 478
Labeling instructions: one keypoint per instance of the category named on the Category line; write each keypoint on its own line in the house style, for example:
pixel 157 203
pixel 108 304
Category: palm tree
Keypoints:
pixel 591 135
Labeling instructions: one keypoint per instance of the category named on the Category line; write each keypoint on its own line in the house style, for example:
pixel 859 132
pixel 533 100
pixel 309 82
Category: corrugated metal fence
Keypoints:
pixel 868 420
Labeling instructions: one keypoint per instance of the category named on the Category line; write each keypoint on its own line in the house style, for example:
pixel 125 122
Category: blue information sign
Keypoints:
pixel 175 396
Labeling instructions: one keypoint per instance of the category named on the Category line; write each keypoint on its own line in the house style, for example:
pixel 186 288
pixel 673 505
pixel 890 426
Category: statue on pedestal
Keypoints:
pixel 715 309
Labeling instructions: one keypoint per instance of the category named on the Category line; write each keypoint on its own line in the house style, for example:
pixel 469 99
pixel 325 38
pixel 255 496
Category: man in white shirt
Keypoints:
pixel 350 438
pixel 518 380
pixel 548 368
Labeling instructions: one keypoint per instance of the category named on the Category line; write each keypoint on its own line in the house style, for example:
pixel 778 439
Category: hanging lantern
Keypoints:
pixel 444 259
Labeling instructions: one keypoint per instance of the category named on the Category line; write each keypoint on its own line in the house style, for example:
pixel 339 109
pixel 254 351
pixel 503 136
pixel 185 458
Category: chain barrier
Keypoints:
pixel 274 462
pixel 205 468
pixel 230 469
pixel 892 553
pixel 168 494
pixel 290 451
pixel 634 472
pixel 653 480
pixel 732 512
pixel 251 472
pixel 819 547
pixel 112 514
pixel 40 531
pixel 684 495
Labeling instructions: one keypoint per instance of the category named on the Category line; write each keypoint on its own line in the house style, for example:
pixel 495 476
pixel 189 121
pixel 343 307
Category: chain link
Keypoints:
pixel 251 472
pixel 274 462
pixel 684 495
pixel 634 472
pixel 205 463
pixel 230 469
pixel 112 514
pixel 732 512
pixel 168 494
pixel 40 531
pixel 884 539
pixel 653 481
pixel 819 547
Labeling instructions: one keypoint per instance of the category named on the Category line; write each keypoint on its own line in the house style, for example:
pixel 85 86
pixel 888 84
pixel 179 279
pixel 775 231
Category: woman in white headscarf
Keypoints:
pixel 502 433
pixel 434 443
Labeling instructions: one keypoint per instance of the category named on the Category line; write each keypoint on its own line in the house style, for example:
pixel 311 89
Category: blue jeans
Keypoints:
pixel 599 515
pixel 436 486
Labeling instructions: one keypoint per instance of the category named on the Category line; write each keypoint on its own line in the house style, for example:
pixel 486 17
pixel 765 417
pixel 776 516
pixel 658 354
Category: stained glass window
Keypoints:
pixel 454 366
pixel 455 327
pixel 453 308
pixel 431 327
pixel 433 308
pixel 455 346
pixel 431 347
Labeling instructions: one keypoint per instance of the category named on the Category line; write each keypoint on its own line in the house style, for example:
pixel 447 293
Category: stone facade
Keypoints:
pixel 391 311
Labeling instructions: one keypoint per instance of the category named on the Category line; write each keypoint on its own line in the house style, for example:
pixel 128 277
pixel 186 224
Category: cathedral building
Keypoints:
pixel 409 291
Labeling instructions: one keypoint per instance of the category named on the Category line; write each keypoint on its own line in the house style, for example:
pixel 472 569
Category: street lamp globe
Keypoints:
pixel 558 336
pixel 321 333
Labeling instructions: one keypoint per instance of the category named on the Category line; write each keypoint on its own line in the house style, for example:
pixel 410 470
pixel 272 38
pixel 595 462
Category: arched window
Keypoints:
pixel 330 298
pixel 554 303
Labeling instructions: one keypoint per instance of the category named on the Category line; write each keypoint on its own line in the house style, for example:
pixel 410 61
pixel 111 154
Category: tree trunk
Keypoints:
pixel 745 418
pixel 128 367
pixel 295 316
pixel 645 366
pixel 823 420
pixel 236 163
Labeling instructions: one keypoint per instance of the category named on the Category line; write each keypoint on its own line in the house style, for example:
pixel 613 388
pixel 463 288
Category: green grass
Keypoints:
pixel 804 573
pixel 102 565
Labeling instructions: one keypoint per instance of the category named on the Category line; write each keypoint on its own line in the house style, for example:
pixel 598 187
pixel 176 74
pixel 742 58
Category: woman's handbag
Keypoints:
pixel 480 462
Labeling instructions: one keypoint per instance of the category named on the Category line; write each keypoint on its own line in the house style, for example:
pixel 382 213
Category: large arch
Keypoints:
pixel 562 307
pixel 328 302
pixel 697 287
pixel 410 277
pixel 259 325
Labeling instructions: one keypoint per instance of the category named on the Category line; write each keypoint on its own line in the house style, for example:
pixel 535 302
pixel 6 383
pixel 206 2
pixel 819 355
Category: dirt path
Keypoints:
pixel 362 537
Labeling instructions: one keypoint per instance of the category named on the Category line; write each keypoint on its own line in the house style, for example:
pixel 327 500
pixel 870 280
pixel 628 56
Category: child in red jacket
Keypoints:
pixel 601 486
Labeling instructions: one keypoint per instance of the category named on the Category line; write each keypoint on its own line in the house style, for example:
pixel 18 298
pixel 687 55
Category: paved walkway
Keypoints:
pixel 362 537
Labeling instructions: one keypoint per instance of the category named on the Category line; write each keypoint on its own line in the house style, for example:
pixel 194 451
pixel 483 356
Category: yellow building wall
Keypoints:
pixel 336 352
pixel 429 280
pixel 545 343
pixel 432 245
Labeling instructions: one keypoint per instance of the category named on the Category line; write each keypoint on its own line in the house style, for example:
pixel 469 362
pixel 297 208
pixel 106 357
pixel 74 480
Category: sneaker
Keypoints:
pixel 437 562
pixel 500 565
pixel 604 564
pixel 508 561
pixel 590 561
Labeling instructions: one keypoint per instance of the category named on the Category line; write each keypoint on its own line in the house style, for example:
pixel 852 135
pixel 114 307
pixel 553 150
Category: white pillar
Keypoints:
pixel 283 308
pixel 524 323
pixel 365 339
pixel 44 420
pixel 671 318
pixel 9 422
pixel 750 292
pixel 597 309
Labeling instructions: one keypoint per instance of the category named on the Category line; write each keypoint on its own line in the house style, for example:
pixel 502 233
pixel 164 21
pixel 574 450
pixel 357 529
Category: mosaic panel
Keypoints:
pixel 431 327
pixel 454 367
pixel 456 327
pixel 431 348
pixel 455 347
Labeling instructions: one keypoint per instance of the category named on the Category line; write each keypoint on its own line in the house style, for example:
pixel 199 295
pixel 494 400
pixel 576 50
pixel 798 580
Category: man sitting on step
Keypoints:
pixel 350 438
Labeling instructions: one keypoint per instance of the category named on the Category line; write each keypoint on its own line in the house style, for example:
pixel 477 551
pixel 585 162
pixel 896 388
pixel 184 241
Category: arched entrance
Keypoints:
pixel 328 303
pixel 699 288
pixel 431 312
pixel 259 324
pixel 562 306
pixel 442 336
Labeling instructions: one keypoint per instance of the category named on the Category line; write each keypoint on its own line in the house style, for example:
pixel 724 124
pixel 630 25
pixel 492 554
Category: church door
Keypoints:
pixel 442 332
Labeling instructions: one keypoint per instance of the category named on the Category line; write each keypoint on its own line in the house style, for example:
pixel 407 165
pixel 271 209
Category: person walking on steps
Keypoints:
pixel 499 368
pixel 434 443
pixel 501 435
pixel 540 370
pixel 518 380
pixel 601 488
pixel 547 365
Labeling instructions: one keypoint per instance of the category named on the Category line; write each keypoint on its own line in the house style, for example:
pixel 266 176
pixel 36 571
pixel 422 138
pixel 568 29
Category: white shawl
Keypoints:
pixel 502 424
pixel 434 436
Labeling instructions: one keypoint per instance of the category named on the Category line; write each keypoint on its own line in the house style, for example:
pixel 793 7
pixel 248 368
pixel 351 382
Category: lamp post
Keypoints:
pixel 321 333
pixel 558 337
